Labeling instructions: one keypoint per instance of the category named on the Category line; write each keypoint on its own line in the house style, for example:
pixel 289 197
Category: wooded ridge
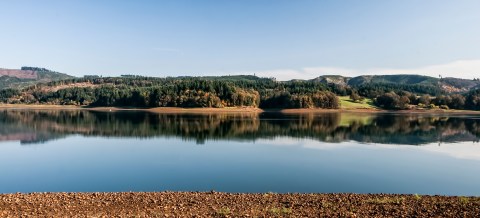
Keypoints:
pixel 386 91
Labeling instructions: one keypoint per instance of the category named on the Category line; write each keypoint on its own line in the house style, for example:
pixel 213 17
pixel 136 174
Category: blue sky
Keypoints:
pixel 284 39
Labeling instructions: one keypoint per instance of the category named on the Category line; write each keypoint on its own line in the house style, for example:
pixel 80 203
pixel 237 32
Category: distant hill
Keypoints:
pixel 252 78
pixel 26 76
pixel 399 79
pixel 449 85
pixel 333 79
pixel 463 85
pixel 20 74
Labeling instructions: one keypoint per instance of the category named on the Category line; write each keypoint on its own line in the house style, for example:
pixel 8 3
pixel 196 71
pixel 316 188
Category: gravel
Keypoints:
pixel 216 204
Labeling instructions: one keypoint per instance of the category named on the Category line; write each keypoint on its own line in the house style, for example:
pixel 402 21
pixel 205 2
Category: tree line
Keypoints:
pixel 405 100
pixel 239 91
pixel 233 91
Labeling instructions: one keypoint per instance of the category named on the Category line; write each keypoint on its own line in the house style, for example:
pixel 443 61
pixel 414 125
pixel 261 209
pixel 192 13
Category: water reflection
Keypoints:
pixel 28 126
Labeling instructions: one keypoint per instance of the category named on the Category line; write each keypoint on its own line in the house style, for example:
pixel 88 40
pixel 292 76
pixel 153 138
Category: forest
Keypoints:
pixel 405 100
pixel 136 91
pixel 234 91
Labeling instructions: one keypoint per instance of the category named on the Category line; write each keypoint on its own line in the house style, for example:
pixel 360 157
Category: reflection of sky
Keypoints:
pixel 461 150
pixel 281 165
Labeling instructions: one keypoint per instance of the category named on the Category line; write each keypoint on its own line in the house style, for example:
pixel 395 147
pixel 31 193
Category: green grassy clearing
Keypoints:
pixel 347 103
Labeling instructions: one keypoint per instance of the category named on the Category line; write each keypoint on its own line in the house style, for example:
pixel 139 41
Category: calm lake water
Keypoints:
pixel 84 151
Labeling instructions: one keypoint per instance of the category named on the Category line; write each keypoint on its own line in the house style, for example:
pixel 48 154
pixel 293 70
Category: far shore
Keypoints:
pixel 229 109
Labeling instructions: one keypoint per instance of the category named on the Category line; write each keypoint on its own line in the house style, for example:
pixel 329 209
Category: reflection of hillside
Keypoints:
pixel 38 126
pixel 413 129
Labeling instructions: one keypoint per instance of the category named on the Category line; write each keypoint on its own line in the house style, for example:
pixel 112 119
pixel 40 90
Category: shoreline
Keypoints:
pixel 218 204
pixel 230 109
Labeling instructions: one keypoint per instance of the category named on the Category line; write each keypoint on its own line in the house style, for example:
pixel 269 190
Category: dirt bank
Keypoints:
pixel 214 204
pixel 228 109
pixel 112 109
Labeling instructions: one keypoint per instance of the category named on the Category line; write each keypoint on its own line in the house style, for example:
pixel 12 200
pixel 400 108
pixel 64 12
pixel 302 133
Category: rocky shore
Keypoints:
pixel 215 204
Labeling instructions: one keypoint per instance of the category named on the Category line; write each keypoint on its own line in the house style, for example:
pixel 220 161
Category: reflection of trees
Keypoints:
pixel 413 129
pixel 473 125
pixel 37 126
pixel 299 126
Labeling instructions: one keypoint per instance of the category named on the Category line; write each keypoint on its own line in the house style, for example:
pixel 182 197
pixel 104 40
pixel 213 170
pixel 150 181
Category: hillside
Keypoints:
pixel 333 79
pixel 20 74
pixel 26 76
pixel 448 85
pixel 137 91
pixel 462 85
pixel 399 79
pixel 42 86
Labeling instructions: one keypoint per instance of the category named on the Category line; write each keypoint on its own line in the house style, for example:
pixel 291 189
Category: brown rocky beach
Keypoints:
pixel 216 204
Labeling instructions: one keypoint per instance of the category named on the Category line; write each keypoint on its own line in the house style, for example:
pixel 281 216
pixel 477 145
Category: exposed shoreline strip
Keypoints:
pixel 225 110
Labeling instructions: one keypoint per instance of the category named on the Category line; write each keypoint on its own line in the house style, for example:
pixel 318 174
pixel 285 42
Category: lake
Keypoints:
pixel 87 151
